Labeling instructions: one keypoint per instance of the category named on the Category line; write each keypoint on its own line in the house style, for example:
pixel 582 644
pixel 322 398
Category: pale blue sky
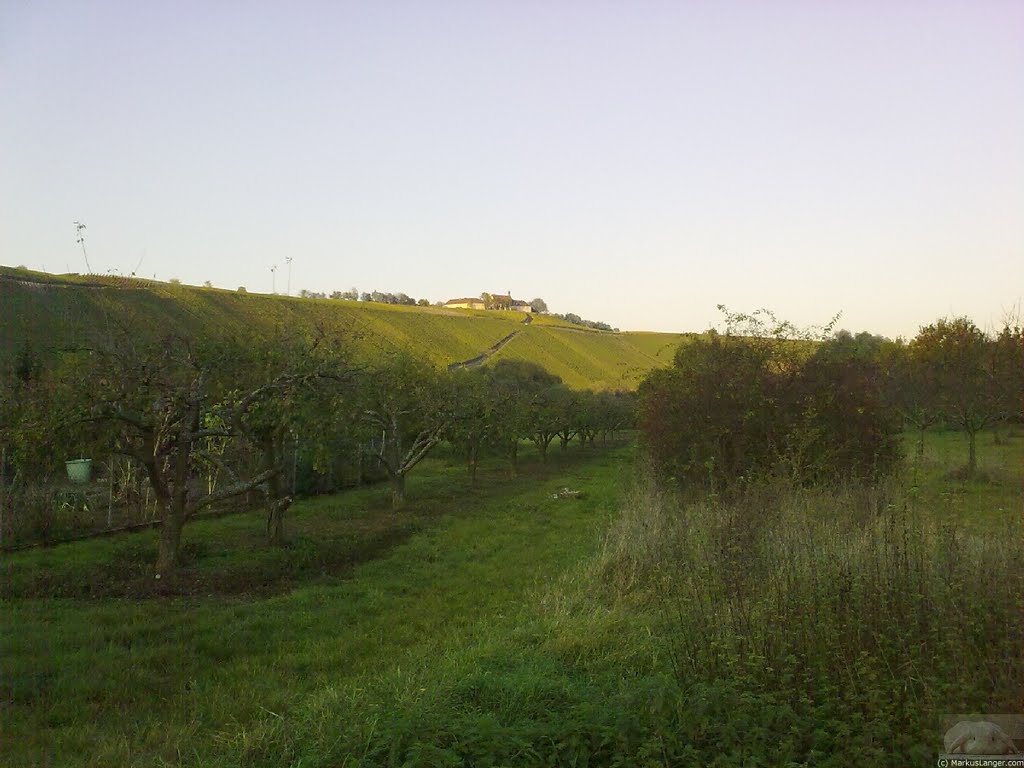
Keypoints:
pixel 633 162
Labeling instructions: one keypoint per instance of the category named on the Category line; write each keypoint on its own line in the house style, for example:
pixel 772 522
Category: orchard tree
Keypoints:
pixel 513 384
pixel 914 389
pixel 588 418
pixel 1008 370
pixel 522 391
pixel 616 412
pixel 570 416
pixel 279 388
pixel 405 403
pixel 28 428
pixel 545 410
pixel 474 415
pixel 962 359
pixel 155 396
pixel 26 417
pixel 539 306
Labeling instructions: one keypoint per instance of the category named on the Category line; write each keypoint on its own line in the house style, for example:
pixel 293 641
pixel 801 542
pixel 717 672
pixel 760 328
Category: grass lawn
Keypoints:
pixel 464 631
pixel 937 484
pixel 122 673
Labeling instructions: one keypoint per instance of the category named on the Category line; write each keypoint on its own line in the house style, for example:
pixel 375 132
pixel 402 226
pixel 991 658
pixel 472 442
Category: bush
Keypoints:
pixel 740 408
pixel 713 416
pixel 848 429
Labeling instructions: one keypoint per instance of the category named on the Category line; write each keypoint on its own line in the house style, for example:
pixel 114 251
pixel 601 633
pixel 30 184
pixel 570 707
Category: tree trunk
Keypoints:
pixel 542 446
pixel 397 490
pixel 168 556
pixel 472 455
pixel 278 500
pixel 275 521
pixel 175 503
pixel 278 504
pixel 972 453
pixel 564 442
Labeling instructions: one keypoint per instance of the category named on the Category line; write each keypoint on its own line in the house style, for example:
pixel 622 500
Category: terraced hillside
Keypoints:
pixel 49 312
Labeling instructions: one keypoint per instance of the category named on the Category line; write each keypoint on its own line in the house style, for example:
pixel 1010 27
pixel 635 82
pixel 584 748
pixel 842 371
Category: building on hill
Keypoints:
pixel 466 304
pixel 491 301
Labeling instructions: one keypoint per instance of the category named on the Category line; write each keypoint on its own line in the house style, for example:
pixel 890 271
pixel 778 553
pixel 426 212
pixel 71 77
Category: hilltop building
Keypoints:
pixel 498 301
pixel 465 304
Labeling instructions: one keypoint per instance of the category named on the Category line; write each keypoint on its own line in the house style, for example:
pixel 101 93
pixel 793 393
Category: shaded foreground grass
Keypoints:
pixel 103 681
pixel 785 629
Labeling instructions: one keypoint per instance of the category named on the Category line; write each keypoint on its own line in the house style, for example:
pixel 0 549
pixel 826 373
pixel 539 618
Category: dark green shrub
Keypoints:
pixel 742 408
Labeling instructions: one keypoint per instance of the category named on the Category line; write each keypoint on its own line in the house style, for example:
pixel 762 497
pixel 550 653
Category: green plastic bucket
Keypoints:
pixel 79 470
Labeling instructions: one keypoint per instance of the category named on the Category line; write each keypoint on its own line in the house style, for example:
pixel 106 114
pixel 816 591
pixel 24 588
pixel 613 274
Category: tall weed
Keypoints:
pixel 848 606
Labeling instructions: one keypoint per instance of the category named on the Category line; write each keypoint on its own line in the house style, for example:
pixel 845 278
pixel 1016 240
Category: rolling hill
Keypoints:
pixel 49 312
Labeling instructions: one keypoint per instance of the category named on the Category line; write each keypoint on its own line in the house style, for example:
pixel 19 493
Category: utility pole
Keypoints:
pixel 288 261
pixel 80 239
pixel 273 279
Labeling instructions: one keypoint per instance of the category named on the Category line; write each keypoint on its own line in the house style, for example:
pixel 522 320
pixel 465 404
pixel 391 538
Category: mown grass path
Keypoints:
pixel 190 680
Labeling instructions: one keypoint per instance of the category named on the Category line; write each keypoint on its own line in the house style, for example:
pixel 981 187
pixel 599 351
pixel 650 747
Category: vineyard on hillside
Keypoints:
pixel 47 313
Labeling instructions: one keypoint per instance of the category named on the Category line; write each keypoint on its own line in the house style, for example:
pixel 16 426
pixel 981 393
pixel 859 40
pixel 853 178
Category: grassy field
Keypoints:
pixel 51 311
pixel 103 667
pixel 593 359
pixel 498 625
pixel 996 492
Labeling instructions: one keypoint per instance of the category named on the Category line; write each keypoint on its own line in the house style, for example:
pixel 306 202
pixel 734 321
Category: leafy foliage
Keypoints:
pixel 972 381
pixel 768 403
pixel 407 403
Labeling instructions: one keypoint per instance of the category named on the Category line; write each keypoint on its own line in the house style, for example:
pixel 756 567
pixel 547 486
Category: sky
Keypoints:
pixel 637 163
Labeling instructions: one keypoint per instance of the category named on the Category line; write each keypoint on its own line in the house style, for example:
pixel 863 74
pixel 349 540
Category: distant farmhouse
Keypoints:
pixel 491 301
pixel 465 304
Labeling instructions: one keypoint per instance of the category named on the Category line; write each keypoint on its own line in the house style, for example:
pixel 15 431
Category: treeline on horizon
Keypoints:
pixel 402 299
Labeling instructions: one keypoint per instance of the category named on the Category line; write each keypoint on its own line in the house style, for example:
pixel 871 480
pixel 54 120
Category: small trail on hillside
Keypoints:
pixel 487 354
pixel 484 356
